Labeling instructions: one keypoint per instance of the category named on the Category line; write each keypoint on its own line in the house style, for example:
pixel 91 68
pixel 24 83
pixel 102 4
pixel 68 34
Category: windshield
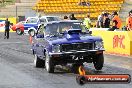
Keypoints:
pixel 22 22
pixel 32 20
pixel 52 19
pixel 57 28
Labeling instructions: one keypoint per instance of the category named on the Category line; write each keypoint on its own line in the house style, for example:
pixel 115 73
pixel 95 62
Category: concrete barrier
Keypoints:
pixel 117 42
pixel 2 23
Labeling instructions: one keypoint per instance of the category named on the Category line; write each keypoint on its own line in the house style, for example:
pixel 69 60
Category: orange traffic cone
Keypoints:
pixel 30 39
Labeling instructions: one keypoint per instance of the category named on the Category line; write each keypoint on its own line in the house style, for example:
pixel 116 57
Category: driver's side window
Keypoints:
pixel 42 20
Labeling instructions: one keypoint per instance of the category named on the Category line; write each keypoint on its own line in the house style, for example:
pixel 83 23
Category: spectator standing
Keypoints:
pixel 116 22
pixel 129 22
pixel 110 16
pixel 7 28
pixel 97 24
pixel 72 17
pixel 100 20
pixel 87 22
pixel 106 21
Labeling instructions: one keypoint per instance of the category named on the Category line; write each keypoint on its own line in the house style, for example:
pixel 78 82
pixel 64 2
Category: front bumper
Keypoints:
pixel 76 52
pixel 75 56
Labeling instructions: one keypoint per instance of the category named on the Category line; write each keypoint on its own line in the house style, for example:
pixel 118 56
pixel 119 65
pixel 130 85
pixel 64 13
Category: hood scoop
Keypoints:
pixel 73 34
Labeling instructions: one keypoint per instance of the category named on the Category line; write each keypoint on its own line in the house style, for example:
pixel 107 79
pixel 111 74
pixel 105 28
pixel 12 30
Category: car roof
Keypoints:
pixel 48 16
pixel 33 17
pixel 43 16
pixel 63 21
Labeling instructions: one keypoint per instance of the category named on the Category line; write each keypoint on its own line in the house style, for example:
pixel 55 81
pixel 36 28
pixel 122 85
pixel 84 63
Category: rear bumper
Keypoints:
pixel 26 31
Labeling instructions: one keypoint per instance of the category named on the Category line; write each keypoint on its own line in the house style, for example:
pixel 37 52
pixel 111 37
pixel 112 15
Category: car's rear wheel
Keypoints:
pixel 19 31
pixel 49 64
pixel 98 61
pixel 31 33
pixel 39 63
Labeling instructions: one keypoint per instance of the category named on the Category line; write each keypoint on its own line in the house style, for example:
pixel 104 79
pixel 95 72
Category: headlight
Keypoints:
pixel 55 48
pixel 99 45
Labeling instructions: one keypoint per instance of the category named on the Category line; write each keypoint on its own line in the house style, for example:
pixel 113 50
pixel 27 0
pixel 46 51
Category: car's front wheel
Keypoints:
pixel 75 67
pixel 19 31
pixel 98 61
pixel 39 63
pixel 49 64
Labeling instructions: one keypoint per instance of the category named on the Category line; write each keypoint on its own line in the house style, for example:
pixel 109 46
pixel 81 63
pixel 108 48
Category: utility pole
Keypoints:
pixel 16 11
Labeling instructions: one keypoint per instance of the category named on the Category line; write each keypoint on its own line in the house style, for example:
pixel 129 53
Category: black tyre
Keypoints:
pixel 19 31
pixel 98 61
pixel 31 33
pixel 75 68
pixel 49 64
pixel 39 63
pixel 81 80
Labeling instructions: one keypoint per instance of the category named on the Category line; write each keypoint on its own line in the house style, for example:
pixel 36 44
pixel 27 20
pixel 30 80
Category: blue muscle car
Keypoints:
pixel 63 42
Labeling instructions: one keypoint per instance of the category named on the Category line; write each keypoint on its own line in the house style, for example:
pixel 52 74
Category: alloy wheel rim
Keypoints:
pixel 32 33
pixel 18 31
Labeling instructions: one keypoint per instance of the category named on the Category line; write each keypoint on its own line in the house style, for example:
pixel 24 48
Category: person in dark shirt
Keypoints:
pixel 72 17
pixel 7 28
pixel 65 17
pixel 106 21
